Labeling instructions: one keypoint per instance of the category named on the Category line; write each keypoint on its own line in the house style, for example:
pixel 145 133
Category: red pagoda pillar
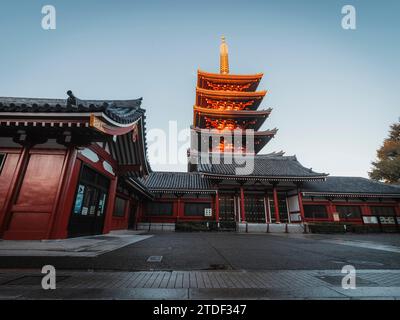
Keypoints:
pixel 110 205
pixel 276 205
pixel 242 212
pixel 217 206
pixel 330 210
pixel 178 208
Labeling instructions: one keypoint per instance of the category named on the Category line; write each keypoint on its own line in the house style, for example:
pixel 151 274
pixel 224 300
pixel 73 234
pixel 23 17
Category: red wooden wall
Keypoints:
pixel 35 198
pixel 6 183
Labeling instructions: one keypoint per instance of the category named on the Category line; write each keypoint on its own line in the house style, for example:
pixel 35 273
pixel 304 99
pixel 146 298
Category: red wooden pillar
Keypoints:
pixel 398 209
pixel 63 208
pixel 300 198
pixel 60 229
pixel 178 209
pixel 276 205
pixel 217 206
pixel 110 205
pixel 242 212
pixel 138 214
pixel 330 210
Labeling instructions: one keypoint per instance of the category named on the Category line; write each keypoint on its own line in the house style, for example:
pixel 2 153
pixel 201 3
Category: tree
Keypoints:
pixel 387 167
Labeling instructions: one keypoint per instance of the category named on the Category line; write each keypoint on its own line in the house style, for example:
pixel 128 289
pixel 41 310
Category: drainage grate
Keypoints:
pixel 154 259
pixel 337 281
pixel 219 267
pixel 31 281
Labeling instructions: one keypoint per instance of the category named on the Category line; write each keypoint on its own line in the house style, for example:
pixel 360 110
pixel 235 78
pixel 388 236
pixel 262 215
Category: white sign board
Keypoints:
pixel 293 203
pixel 295 217
pixel 208 212
pixel 387 220
pixel 336 216
pixel 370 220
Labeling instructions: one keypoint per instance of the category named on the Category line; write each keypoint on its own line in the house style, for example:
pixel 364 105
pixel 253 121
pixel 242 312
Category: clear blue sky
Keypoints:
pixel 334 92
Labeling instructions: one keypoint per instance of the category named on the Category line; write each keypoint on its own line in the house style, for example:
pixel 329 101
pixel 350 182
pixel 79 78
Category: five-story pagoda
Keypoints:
pixel 227 106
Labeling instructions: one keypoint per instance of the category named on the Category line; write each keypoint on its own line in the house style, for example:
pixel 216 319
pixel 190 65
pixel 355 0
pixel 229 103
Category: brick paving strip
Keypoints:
pixel 290 284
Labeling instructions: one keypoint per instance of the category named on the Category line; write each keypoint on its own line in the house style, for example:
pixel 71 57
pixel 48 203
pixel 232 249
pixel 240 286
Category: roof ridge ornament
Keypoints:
pixel 223 57
pixel 71 100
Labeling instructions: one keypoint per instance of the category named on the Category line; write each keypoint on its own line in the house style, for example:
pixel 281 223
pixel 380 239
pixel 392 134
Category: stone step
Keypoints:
pixel 271 227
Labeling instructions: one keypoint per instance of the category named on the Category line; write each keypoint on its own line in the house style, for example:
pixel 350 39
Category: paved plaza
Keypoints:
pixel 181 285
pixel 206 266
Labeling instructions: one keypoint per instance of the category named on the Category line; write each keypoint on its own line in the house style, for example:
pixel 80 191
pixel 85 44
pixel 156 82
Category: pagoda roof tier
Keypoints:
pixel 214 98
pixel 225 82
pixel 261 138
pixel 210 119
pixel 250 119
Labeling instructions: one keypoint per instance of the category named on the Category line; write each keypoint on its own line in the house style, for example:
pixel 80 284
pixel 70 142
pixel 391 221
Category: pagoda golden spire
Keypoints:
pixel 223 56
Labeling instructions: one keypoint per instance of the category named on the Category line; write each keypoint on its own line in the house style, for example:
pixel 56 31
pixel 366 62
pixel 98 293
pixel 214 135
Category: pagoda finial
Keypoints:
pixel 223 52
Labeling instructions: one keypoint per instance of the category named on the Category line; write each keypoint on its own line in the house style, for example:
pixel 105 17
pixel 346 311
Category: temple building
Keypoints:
pixel 229 181
pixel 72 167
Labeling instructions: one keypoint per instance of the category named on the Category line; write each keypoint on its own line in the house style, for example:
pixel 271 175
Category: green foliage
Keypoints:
pixel 387 166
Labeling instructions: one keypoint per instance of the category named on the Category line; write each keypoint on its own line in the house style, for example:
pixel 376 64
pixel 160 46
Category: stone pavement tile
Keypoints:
pixel 232 294
pixel 172 280
pixel 186 279
pixel 265 294
pixel 150 281
pixel 106 294
pixel 370 292
pixel 165 280
pixel 135 282
pixel 157 281
pixel 374 298
pixel 221 280
pixel 199 279
pixel 313 293
pixel 10 294
pixel 214 280
pixel 143 281
pixel 206 279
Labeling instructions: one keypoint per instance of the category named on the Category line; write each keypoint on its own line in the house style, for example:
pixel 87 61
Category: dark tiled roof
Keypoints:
pixel 138 184
pixel 350 185
pixel 121 111
pixel 273 165
pixel 177 181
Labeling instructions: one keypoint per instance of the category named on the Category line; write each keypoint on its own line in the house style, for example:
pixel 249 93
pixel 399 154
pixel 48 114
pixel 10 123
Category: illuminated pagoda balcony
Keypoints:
pixel 236 99
pixel 228 82
pixel 211 140
pixel 229 119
